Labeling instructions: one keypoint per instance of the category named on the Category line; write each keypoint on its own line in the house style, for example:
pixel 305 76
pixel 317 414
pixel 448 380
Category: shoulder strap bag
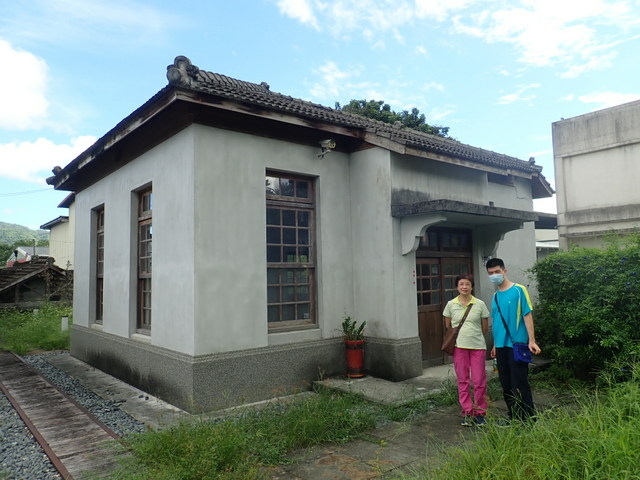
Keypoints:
pixel 451 335
pixel 521 352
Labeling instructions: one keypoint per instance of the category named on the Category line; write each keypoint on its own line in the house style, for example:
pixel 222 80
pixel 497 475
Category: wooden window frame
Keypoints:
pixel 99 239
pixel 144 260
pixel 290 244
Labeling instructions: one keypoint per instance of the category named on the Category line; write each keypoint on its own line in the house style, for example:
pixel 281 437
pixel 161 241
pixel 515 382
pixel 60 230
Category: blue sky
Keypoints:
pixel 498 73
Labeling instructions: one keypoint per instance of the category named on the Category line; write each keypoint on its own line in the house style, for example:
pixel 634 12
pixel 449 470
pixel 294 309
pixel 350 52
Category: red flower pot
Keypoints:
pixel 354 352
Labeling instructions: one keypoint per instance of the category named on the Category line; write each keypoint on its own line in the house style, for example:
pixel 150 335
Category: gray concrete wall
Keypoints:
pixel 596 167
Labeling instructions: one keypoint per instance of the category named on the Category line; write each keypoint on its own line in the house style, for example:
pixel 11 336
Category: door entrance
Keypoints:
pixel 443 254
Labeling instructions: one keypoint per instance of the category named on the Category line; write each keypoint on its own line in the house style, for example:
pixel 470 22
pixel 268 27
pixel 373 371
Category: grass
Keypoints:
pixel 597 438
pixel 24 331
pixel 244 445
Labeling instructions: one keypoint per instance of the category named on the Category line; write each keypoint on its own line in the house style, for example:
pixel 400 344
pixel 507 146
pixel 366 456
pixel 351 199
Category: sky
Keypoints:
pixel 498 73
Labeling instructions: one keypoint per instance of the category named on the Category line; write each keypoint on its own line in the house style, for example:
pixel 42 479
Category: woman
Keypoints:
pixel 469 355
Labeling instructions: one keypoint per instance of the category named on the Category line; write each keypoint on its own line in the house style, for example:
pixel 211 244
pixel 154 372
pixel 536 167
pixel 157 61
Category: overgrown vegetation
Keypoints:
pixel 244 446
pixel 597 438
pixel 589 307
pixel 39 329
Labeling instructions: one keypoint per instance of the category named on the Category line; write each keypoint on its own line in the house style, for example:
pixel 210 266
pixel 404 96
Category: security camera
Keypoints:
pixel 328 144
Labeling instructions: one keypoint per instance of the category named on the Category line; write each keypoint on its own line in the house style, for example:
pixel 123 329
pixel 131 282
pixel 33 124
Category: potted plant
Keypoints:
pixel 353 335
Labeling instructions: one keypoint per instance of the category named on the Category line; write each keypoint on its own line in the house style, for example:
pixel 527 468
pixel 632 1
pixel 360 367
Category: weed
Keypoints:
pixel 23 331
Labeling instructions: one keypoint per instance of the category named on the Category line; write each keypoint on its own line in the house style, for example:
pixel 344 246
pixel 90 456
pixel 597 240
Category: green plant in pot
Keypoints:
pixel 353 335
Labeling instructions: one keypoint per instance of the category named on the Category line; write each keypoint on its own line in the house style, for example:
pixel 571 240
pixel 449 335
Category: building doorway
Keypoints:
pixel 443 254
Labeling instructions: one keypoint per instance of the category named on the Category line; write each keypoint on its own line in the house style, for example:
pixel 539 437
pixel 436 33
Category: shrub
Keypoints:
pixel 589 306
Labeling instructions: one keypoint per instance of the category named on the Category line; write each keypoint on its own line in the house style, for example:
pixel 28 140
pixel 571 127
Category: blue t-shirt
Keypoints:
pixel 514 304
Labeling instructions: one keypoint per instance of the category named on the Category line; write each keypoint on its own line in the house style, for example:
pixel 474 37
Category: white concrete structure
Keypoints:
pixel 363 229
pixel 61 235
pixel 597 166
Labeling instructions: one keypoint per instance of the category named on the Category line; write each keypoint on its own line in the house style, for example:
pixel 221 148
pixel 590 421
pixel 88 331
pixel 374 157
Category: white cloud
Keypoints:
pixel 433 86
pixel 440 113
pixel 520 95
pixel 23 102
pixel 608 99
pixel 87 23
pixel 332 81
pixel 33 161
pixel 300 10
pixel 575 33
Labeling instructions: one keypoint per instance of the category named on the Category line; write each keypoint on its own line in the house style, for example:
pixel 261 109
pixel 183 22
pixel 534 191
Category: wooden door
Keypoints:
pixel 429 291
pixel 438 262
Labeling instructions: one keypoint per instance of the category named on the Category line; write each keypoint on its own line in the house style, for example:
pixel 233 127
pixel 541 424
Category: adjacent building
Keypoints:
pixel 596 159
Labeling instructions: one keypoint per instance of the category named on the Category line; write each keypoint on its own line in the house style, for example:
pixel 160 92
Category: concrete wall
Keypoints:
pixel 596 167
pixel 169 169
pixel 61 244
pixel 209 305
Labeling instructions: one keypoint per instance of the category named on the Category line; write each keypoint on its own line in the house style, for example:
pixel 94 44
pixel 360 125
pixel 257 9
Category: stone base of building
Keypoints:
pixel 216 381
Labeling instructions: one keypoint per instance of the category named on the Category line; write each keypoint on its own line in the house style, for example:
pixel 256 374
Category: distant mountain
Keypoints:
pixel 11 233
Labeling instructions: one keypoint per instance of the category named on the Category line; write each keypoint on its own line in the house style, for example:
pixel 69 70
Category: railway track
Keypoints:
pixel 75 441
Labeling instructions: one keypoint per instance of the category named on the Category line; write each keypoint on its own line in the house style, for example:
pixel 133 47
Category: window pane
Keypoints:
pixel 288 312
pixel 273 313
pixel 272 185
pixel 289 254
pixel 302 189
pixel 303 218
pixel 273 216
pixel 303 237
pixel 302 276
pixel 303 311
pixel 303 255
pixel 288 294
pixel 273 294
pixel 302 293
pixel 273 276
pixel 273 235
pixel 289 217
pixel 289 236
pixel 273 254
pixel 287 187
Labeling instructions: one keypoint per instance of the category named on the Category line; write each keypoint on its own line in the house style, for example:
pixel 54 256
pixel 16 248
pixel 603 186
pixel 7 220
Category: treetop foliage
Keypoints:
pixel 378 110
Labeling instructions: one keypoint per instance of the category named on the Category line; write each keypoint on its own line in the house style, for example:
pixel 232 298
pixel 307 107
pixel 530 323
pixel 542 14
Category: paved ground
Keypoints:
pixel 381 453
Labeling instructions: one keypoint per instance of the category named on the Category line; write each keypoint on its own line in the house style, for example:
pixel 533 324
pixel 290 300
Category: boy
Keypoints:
pixel 512 304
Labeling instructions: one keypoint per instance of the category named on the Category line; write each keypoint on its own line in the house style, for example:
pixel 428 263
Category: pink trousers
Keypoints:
pixel 470 370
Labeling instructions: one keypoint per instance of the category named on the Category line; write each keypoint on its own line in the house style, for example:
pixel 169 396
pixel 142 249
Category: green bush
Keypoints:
pixel 589 306
pixel 23 331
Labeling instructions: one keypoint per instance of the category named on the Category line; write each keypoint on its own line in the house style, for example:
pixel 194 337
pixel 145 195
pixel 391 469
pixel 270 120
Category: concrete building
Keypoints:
pixel 61 232
pixel 223 231
pixel 597 166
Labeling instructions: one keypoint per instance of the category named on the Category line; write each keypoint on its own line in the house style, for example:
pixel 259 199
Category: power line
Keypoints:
pixel 27 192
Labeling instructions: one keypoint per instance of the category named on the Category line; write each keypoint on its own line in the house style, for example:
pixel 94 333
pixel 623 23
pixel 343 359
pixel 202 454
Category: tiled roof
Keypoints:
pixel 21 272
pixel 183 74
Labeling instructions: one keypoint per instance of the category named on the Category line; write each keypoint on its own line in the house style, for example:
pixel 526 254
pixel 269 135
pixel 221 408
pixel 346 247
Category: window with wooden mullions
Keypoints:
pixel 99 236
pixel 145 236
pixel 290 255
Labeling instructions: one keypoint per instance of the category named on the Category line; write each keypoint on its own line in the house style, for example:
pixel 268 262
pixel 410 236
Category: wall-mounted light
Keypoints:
pixel 326 146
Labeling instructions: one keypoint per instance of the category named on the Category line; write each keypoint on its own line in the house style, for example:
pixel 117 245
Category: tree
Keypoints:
pixel 378 110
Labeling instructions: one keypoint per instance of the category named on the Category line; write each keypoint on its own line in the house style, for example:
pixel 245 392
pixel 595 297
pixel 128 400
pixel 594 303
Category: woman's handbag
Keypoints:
pixel 451 335
pixel 521 352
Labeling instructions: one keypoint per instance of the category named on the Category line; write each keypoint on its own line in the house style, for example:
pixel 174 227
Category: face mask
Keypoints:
pixel 496 278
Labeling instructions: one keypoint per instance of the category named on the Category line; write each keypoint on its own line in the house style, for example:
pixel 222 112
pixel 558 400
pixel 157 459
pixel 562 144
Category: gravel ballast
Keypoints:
pixel 21 458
